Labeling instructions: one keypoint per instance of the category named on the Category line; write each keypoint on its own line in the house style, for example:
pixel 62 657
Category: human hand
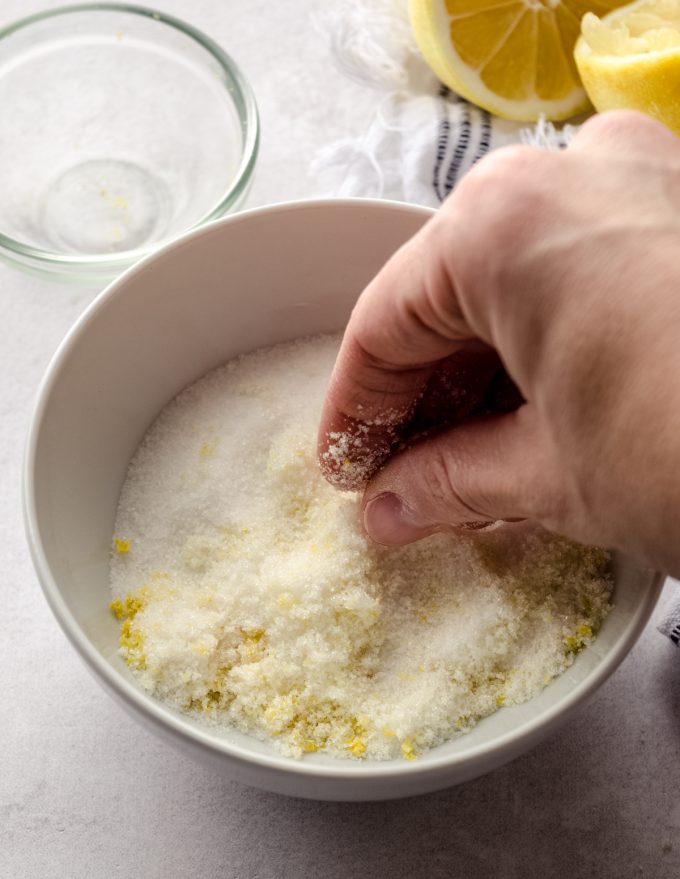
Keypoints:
pixel 532 330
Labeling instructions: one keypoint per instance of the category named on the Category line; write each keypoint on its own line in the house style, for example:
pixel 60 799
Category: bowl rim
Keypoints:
pixel 150 709
pixel 241 93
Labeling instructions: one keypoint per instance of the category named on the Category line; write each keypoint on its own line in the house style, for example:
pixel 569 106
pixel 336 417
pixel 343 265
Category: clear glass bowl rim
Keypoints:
pixel 242 95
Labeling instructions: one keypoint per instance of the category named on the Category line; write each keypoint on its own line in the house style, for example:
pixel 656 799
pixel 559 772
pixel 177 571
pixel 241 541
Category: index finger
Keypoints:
pixel 405 323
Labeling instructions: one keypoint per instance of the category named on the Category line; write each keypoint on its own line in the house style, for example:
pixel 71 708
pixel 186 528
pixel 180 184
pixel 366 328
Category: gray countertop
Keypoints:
pixel 86 792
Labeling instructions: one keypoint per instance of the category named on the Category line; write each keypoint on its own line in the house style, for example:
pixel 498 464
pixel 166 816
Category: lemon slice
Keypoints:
pixel 512 57
pixel 631 59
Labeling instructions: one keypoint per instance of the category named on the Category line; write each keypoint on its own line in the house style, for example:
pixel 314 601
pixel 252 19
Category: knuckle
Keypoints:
pixel 617 123
pixel 502 207
pixel 502 168
pixel 506 187
pixel 627 130
pixel 442 483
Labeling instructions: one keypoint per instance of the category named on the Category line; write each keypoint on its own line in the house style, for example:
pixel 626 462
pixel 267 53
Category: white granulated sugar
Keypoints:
pixel 248 594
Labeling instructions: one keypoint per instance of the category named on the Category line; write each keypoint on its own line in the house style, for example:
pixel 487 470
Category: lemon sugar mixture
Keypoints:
pixel 247 593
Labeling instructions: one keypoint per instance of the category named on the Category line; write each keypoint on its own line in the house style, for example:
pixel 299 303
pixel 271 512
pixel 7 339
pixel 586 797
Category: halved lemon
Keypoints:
pixel 631 59
pixel 512 57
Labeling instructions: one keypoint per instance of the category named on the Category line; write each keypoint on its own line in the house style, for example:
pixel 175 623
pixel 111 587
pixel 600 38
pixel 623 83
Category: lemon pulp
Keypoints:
pixel 512 57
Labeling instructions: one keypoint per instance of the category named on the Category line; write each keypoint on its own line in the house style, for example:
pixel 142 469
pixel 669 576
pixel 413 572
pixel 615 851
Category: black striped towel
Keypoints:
pixel 419 146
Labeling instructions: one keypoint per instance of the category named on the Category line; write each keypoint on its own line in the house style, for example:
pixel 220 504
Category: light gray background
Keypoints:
pixel 85 792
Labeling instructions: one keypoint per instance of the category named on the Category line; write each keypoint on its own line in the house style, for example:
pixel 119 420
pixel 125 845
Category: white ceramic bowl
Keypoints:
pixel 253 279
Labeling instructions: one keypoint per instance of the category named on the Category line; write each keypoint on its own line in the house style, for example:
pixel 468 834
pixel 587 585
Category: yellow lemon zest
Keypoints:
pixel 207 450
pixel 407 749
pixel 357 746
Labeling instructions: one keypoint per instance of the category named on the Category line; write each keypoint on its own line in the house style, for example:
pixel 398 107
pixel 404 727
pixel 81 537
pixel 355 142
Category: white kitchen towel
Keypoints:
pixel 423 138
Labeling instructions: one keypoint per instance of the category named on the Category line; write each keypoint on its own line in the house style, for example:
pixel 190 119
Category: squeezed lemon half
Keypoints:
pixel 630 59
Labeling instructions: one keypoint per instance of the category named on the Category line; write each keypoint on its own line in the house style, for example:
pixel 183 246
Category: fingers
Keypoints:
pixel 500 467
pixel 467 383
pixel 551 260
pixel 405 323
pixel 410 319
pixel 490 271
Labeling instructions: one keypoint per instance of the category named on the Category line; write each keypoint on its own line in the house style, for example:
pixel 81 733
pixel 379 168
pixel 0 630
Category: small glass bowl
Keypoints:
pixel 122 127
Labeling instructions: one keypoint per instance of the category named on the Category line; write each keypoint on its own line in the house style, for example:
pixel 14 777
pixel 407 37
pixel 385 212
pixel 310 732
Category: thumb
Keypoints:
pixel 486 469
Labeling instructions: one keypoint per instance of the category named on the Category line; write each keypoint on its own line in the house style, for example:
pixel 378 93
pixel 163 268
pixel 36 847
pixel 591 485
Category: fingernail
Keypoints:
pixel 389 521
